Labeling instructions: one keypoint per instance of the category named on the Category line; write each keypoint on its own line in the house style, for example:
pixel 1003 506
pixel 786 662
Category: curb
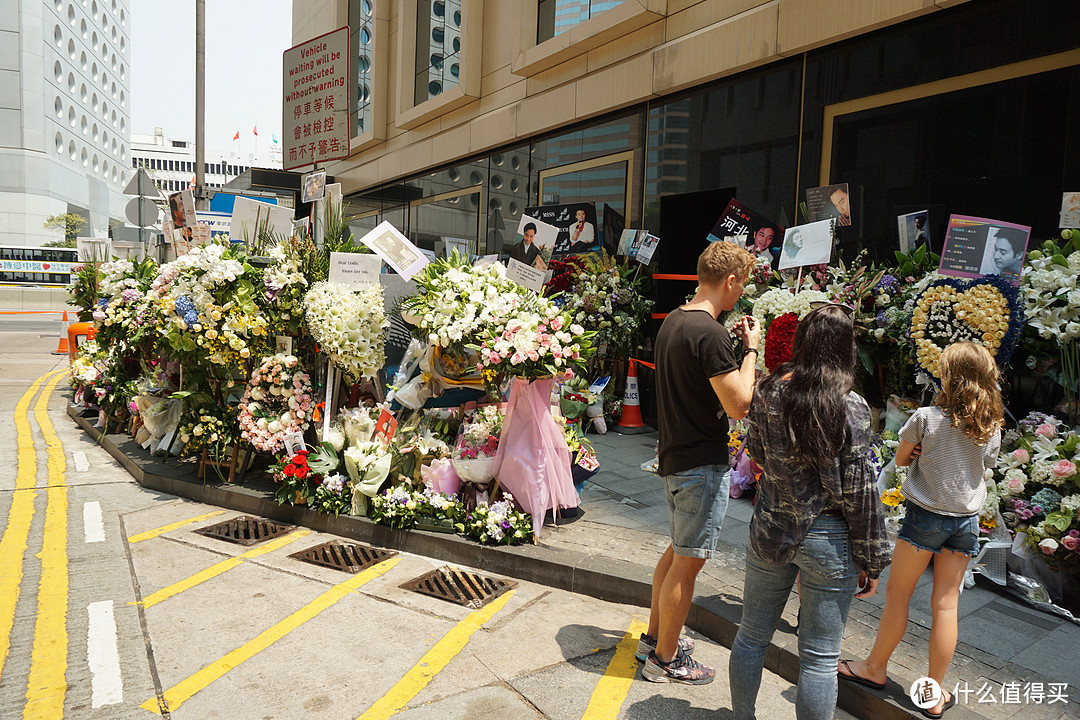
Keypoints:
pixel 604 579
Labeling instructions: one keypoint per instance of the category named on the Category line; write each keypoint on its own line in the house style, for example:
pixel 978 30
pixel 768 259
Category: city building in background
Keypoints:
pixel 465 112
pixel 64 116
pixel 171 163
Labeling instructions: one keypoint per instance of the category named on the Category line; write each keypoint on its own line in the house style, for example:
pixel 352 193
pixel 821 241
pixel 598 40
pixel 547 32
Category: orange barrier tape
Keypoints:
pixel 33 312
pixel 659 316
pixel 692 278
pixel 642 362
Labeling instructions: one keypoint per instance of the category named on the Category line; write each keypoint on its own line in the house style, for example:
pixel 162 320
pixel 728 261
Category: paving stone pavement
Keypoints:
pixel 1004 644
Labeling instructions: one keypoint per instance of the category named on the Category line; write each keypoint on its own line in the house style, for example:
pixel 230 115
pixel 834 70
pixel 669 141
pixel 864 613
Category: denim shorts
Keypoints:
pixel 697 501
pixel 931 531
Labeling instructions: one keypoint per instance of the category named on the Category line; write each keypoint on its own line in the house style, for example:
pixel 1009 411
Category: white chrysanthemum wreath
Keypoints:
pixel 349 326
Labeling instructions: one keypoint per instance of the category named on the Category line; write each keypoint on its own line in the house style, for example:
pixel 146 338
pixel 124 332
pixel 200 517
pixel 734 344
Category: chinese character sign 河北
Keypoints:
pixel 315 100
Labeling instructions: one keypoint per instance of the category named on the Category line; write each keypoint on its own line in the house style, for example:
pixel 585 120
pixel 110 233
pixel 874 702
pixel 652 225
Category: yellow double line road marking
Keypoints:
pixel 434 661
pixel 215 570
pixel 20 516
pixel 172 526
pixel 48 661
pixel 182 691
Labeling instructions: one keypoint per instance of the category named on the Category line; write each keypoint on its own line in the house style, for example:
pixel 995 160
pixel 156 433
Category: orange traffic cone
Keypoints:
pixel 630 422
pixel 62 348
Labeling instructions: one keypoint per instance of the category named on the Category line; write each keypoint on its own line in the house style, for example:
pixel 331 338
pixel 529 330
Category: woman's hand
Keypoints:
pixel 867 586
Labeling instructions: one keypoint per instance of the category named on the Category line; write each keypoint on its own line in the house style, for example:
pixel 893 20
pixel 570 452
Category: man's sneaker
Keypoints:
pixel 647 643
pixel 683 669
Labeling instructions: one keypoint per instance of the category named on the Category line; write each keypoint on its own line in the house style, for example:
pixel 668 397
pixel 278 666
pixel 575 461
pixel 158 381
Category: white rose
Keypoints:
pixel 274 427
pixel 261 423
pixel 257 393
pixel 1048 546
pixel 286 418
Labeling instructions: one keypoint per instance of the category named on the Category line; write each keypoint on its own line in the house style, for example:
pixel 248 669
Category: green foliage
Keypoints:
pixel 917 263
pixel 70 223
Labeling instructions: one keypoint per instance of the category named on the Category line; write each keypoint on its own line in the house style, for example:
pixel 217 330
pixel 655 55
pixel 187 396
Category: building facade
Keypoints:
pixel 64 115
pixel 171 163
pixel 466 112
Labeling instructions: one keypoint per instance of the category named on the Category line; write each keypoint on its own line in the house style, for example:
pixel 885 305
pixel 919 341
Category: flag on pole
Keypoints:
pixel 255 130
pixel 236 136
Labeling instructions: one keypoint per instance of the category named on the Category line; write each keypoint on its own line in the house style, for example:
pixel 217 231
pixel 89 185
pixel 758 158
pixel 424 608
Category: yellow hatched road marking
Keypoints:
pixel 610 693
pixel 434 661
pixel 21 514
pixel 215 570
pixel 47 683
pixel 183 690
pixel 161 530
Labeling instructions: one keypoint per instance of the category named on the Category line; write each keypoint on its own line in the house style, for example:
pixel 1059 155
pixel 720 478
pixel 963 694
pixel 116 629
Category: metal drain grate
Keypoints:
pixel 245 530
pixel 459 586
pixel 343 556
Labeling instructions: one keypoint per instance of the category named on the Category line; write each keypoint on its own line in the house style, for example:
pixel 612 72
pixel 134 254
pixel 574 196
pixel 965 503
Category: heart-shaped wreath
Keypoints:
pixel 985 310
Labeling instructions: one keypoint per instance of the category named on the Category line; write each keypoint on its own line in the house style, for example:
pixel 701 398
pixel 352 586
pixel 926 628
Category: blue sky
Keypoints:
pixel 244 43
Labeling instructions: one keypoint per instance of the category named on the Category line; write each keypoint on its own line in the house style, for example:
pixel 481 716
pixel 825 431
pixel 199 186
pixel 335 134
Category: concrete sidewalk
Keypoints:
pixel 1004 644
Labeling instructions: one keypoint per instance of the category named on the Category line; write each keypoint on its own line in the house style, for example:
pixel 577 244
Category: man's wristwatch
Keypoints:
pixel 747 351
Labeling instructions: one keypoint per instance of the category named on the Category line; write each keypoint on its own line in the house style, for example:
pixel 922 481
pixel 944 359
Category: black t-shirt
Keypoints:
pixel 691 347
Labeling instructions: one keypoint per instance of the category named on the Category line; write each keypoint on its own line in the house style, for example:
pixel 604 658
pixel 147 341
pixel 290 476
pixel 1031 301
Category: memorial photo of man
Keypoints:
pixel 526 251
pixel 1004 252
pixel 582 233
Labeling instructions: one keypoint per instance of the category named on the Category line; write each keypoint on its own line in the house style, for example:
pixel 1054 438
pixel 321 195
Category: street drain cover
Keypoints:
pixel 245 530
pixel 459 586
pixel 343 556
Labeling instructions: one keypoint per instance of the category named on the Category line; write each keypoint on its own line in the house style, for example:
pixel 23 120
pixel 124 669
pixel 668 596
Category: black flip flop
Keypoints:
pixel 948 704
pixel 859 679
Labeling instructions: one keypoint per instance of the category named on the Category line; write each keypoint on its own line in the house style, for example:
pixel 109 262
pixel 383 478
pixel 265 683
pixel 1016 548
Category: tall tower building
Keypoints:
pixel 64 115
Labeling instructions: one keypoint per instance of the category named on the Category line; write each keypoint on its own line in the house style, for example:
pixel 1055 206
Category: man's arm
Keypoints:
pixel 735 389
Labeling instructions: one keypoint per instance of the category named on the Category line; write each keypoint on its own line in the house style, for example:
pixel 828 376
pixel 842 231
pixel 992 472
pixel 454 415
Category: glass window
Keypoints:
pixel 557 16
pixel 361 38
pixel 742 133
pixel 438 47
pixel 969 151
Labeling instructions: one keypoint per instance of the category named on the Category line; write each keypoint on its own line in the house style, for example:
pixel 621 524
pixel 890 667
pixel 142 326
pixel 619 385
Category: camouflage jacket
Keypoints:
pixel 791 494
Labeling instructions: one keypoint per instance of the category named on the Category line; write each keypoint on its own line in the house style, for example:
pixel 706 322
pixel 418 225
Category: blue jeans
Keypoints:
pixel 828 584
pixel 928 530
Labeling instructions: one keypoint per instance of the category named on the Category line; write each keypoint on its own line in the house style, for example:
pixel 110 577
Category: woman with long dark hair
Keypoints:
pixel 817 513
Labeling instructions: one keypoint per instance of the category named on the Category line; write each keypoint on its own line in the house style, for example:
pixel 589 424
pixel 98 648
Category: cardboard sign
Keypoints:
pixel 393 247
pixel 355 269
pixel 829 201
pixel 646 249
pixel 459 244
pixel 914 230
pixel 251 215
pixel 809 244
pixel 385 427
pixel 314 186
pixel 975 247
pixel 525 275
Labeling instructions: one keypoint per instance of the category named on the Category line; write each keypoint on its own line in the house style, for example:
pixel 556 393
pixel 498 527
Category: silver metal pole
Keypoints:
pixel 200 104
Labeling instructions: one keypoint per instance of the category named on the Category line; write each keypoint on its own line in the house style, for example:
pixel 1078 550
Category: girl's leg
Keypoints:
pixel 949 568
pixel 908 565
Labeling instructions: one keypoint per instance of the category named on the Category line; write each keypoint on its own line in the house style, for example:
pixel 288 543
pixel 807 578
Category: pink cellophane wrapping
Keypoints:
pixel 533 461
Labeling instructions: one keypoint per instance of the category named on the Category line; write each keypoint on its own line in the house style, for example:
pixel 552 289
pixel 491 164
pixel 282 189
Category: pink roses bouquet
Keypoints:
pixel 277 401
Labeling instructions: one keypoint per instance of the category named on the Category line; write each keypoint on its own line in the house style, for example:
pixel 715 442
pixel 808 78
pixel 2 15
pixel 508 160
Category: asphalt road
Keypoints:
pixel 112 606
